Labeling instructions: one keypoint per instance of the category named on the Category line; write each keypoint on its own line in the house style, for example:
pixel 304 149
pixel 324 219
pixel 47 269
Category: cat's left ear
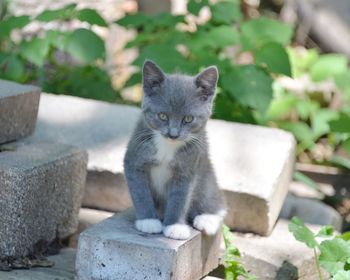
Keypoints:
pixel 206 82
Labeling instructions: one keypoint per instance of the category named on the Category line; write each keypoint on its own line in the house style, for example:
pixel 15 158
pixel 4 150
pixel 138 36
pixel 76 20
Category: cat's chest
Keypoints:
pixel 161 172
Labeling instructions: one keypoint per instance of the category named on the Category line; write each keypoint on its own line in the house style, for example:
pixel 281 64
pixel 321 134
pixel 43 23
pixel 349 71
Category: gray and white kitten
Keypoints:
pixel 170 177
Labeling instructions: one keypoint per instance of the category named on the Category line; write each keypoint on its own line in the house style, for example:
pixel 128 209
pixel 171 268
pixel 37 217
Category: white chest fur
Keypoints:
pixel 161 173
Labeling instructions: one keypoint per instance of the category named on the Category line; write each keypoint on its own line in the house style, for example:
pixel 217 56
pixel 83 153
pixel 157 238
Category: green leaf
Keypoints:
pixel 164 20
pixel 35 50
pixel 302 233
pixel 342 275
pixel 328 66
pixel 194 6
pixel 301 177
pixel 274 57
pixel 226 12
pixel 11 23
pixel 166 56
pixel 134 21
pixel 346 145
pixel 320 121
pixel 325 231
pixel 66 13
pixel 301 60
pixel 306 108
pixel 91 16
pixel 340 161
pixel 221 36
pixel 257 32
pixel 58 39
pixel 250 86
pixel 345 236
pixel 342 80
pixel 334 254
pixel 85 46
pixel 301 131
pixel 341 125
pixel 12 68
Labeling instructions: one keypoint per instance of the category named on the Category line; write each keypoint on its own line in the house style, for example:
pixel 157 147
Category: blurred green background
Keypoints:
pixel 272 72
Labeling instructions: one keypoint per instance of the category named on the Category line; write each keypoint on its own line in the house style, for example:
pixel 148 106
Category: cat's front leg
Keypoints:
pixel 175 225
pixel 146 216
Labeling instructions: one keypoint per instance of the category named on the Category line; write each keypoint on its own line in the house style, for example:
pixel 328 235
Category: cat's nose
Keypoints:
pixel 173 136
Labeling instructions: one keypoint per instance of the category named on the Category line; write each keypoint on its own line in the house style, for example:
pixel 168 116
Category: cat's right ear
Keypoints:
pixel 152 75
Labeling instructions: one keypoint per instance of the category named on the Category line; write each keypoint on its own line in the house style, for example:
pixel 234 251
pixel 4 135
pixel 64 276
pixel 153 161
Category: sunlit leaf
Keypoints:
pixel 302 233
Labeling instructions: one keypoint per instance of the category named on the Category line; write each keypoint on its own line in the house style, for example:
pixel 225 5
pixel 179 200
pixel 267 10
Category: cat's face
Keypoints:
pixel 177 106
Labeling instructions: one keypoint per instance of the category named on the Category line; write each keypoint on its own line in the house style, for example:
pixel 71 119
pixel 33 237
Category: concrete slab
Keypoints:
pixel 18 110
pixel 114 249
pixel 41 187
pixel 253 164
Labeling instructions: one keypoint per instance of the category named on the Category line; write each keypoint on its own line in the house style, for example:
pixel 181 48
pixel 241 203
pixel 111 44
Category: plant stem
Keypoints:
pixel 318 265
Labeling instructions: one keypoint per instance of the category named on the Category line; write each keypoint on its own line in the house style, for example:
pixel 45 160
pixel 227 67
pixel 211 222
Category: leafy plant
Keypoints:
pixel 332 254
pixel 178 43
pixel 255 91
pixel 233 266
pixel 60 61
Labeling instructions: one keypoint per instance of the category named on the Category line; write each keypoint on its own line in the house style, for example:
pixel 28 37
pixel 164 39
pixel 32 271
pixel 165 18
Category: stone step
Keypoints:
pixel 18 110
pixel 63 269
pixel 114 249
pixel 253 164
pixel 41 187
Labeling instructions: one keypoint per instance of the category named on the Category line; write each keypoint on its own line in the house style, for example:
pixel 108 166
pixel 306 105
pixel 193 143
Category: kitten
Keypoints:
pixel 170 177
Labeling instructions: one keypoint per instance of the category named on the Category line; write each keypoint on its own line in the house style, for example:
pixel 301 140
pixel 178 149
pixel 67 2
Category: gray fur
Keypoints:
pixel 192 188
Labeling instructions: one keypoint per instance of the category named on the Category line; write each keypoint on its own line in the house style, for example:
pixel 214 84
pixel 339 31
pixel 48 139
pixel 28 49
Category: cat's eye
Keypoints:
pixel 163 116
pixel 188 119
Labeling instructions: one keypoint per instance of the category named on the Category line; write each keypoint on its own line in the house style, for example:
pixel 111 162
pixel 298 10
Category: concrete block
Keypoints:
pixel 41 187
pixel 114 249
pixel 253 164
pixel 18 110
pixel 62 270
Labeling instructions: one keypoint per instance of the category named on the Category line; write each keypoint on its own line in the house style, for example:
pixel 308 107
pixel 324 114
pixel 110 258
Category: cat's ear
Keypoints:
pixel 152 75
pixel 206 82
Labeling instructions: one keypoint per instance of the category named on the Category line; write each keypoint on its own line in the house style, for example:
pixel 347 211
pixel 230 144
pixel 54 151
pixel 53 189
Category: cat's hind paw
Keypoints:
pixel 149 225
pixel 177 231
pixel 208 223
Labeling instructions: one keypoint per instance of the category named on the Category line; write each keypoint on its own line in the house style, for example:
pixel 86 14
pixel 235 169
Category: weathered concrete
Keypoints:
pixel 311 211
pixel 87 218
pixel 277 257
pixel 253 164
pixel 18 110
pixel 41 187
pixel 114 249
pixel 62 270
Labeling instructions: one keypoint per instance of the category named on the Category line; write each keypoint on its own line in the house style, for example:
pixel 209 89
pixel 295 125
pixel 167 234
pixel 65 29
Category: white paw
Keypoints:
pixel 149 225
pixel 177 231
pixel 208 223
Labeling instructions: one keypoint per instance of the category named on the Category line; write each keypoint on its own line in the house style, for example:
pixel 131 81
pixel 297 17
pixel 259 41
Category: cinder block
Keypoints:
pixel 41 187
pixel 254 166
pixel 18 110
pixel 114 249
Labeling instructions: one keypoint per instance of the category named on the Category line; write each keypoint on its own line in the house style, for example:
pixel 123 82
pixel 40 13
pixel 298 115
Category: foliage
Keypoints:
pixel 233 266
pixel 253 92
pixel 318 114
pixel 244 89
pixel 60 61
pixel 332 254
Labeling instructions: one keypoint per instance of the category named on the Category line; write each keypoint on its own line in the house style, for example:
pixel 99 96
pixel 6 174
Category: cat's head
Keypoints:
pixel 177 106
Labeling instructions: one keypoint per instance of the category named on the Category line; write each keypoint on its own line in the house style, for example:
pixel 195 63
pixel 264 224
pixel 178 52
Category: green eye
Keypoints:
pixel 163 116
pixel 188 119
